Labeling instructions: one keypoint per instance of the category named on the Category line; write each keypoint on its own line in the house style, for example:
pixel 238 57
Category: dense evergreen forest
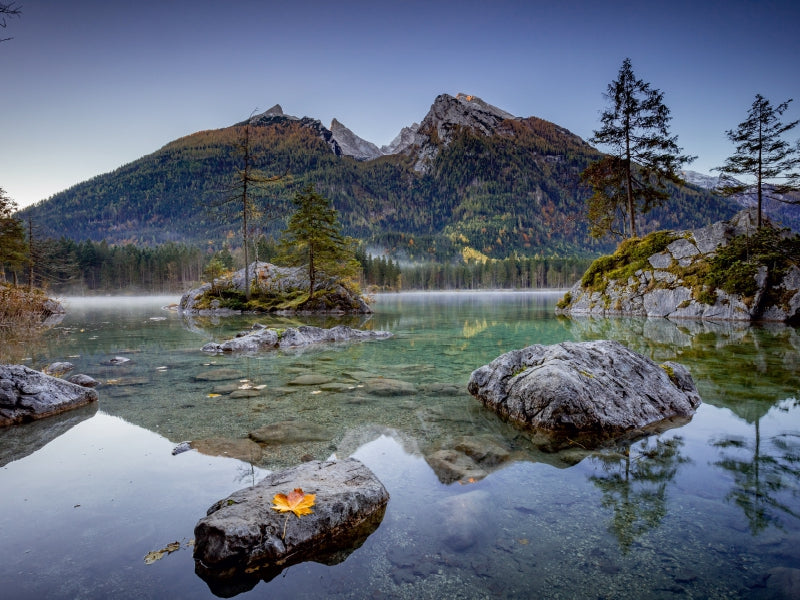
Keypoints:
pixel 514 193
pixel 65 267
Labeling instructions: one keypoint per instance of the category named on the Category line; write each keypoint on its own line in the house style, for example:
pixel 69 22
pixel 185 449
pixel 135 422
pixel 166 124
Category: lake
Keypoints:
pixel 706 510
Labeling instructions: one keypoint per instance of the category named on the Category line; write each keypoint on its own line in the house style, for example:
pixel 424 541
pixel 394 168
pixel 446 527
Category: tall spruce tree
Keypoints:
pixel 13 247
pixel 762 155
pixel 313 238
pixel 642 155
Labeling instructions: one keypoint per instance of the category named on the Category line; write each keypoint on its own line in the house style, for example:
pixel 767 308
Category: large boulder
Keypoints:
pixel 242 535
pixel 27 395
pixel 282 290
pixel 673 274
pixel 599 388
pixel 260 338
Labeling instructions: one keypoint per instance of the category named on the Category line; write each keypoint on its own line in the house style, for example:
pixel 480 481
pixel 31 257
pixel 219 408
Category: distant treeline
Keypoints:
pixel 67 267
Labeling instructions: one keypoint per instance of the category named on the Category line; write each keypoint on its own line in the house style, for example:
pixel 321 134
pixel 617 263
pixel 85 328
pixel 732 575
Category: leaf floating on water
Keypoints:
pixel 213 395
pixel 155 555
pixel 297 502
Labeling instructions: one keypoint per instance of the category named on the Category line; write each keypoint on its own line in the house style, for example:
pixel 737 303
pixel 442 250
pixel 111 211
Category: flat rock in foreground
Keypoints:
pixel 27 395
pixel 600 388
pixel 242 536
pixel 261 338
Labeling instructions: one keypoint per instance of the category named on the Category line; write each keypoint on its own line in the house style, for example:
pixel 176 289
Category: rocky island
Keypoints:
pixel 729 270
pixel 274 289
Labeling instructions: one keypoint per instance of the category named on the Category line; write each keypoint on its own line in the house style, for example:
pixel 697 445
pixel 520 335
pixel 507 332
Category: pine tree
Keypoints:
pixel 642 158
pixel 13 248
pixel 313 238
pixel 763 154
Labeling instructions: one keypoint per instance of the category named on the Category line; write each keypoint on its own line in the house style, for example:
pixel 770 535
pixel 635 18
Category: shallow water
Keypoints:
pixel 705 510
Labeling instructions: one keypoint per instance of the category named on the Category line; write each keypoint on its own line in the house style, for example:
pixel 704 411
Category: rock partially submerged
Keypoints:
pixel 282 290
pixel 260 338
pixel 600 388
pixel 27 395
pixel 673 274
pixel 242 538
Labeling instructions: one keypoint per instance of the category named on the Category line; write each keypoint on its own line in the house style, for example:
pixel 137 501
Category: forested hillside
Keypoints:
pixel 516 192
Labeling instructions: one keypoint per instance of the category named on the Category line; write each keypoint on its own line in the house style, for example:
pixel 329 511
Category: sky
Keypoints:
pixel 87 86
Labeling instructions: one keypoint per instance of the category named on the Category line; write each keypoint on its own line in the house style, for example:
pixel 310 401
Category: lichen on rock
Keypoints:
pixel 726 271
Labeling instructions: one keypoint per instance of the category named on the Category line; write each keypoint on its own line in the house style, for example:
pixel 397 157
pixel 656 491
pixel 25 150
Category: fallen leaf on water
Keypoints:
pixel 155 555
pixel 297 502
pixel 213 395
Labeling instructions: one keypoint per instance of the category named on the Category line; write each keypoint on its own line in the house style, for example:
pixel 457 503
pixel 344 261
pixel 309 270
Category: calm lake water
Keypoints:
pixel 706 510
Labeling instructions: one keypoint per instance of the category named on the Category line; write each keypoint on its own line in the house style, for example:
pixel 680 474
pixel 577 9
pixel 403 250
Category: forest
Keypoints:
pixel 66 267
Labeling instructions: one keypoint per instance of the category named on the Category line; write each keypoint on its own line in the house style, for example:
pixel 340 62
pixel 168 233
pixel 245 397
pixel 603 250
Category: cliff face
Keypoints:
pixel 697 274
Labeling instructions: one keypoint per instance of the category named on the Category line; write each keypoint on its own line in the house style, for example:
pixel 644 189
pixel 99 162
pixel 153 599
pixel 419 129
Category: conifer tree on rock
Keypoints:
pixel 643 155
pixel 763 154
pixel 313 238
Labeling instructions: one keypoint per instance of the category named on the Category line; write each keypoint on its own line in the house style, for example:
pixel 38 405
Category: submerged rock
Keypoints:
pixel 260 338
pixel 57 369
pixel 290 432
pixel 600 388
pixel 83 380
pixel 242 538
pixel 243 449
pixel 26 395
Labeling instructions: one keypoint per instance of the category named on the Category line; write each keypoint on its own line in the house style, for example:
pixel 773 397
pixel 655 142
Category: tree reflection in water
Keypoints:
pixel 634 485
pixel 764 473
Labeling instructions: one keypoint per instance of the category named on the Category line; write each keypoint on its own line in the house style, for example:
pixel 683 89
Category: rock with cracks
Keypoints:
pixel 27 395
pixel 243 540
pixel 260 338
pixel 599 389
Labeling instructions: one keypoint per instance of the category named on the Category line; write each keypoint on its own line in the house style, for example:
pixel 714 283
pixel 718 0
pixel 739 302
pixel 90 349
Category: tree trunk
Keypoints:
pixel 629 183
pixel 311 273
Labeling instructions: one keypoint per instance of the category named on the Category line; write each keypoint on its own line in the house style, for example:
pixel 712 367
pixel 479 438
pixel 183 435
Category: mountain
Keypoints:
pixel 469 176
pixel 781 209
pixel 352 145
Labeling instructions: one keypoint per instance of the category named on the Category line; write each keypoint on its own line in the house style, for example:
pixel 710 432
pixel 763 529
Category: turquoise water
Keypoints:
pixel 706 510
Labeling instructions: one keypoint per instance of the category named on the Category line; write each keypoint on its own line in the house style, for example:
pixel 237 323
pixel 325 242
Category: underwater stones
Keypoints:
pixel 311 379
pixel 57 369
pixel 452 465
pixel 389 387
pixel 243 449
pixel 600 388
pixel 444 389
pixel 116 360
pixel 243 534
pixel 83 380
pixel 27 395
pixel 290 432
pixel 222 374
pixel 245 393
pixel 225 388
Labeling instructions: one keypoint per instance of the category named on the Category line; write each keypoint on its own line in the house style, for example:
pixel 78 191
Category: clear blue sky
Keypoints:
pixel 89 85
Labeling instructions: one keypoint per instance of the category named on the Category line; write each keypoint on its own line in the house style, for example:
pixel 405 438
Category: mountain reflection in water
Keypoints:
pixel 707 509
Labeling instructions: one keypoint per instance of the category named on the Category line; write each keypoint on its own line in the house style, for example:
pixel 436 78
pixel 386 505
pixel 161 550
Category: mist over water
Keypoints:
pixel 704 510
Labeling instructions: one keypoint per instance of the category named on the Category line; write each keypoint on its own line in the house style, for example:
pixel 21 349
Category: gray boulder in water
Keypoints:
pixel 598 388
pixel 260 338
pixel 27 395
pixel 243 534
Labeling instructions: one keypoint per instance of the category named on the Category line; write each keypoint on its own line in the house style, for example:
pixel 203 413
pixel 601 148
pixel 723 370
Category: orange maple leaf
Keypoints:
pixel 297 502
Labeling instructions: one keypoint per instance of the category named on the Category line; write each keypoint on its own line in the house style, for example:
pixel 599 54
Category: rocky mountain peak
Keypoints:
pixel 446 116
pixel 403 141
pixel 352 145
